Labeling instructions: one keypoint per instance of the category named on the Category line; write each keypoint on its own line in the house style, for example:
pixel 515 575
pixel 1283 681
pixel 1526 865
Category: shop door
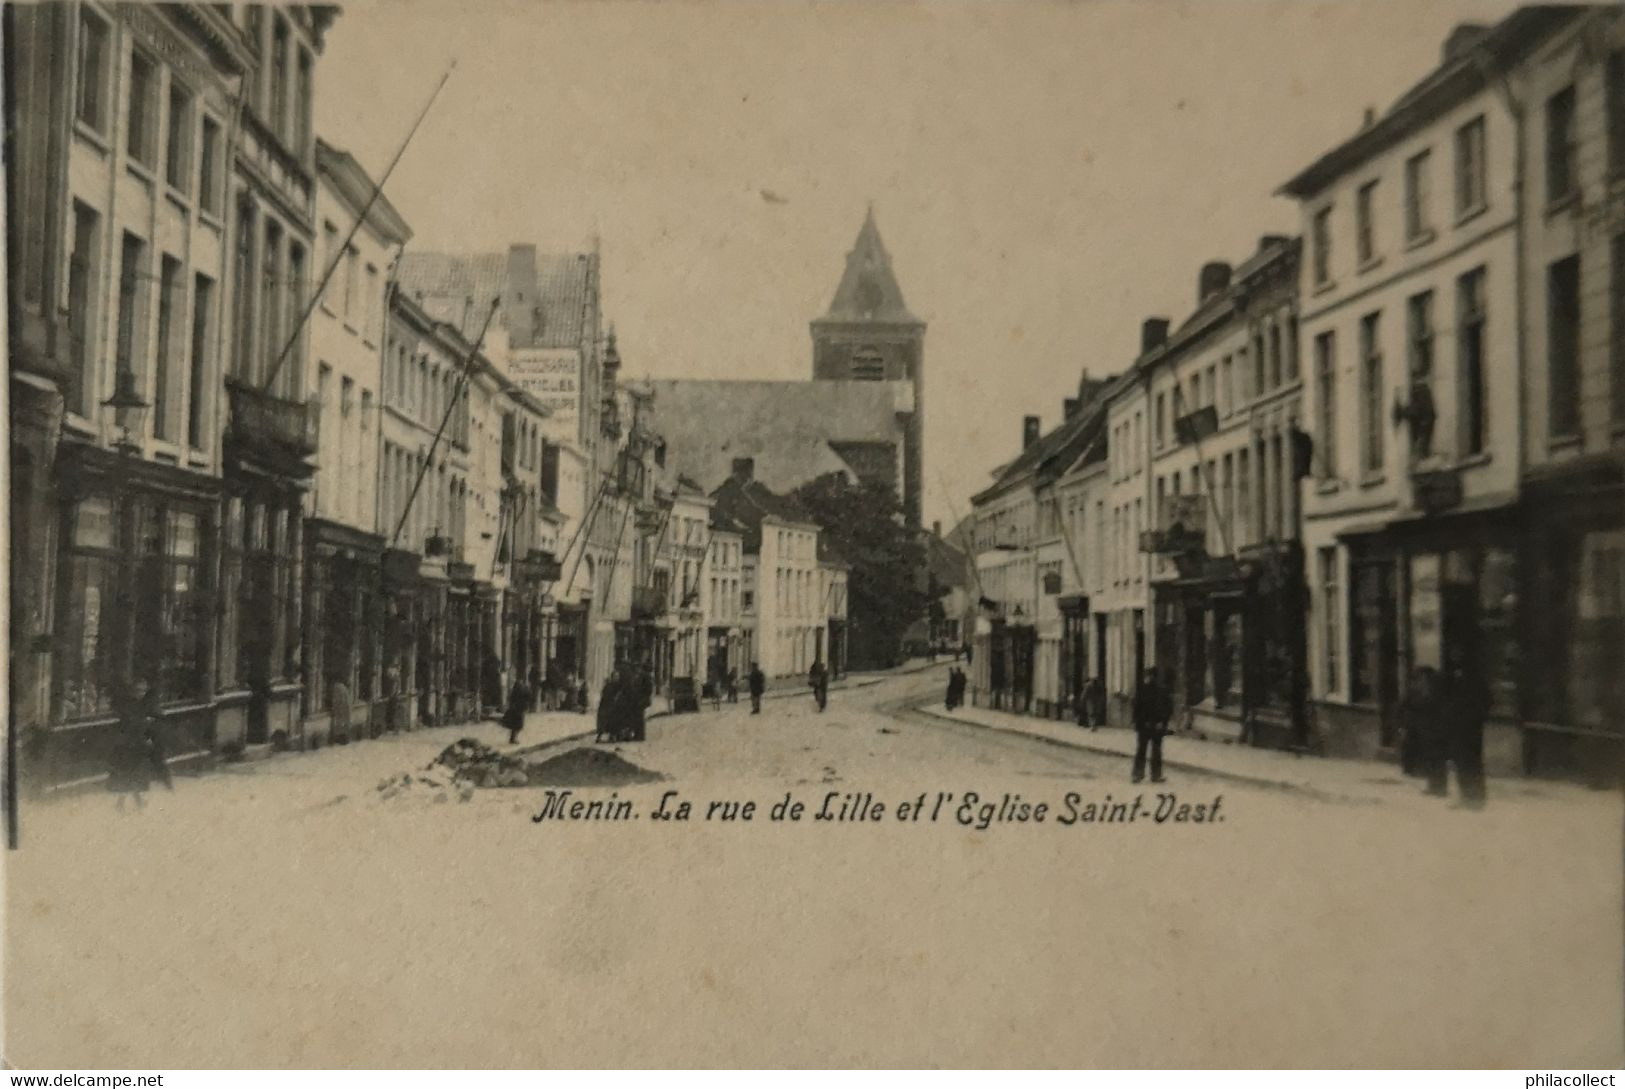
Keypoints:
pixel 1376 645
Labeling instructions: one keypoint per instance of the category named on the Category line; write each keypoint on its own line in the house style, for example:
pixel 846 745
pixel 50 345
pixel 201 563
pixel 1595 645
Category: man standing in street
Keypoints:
pixel 1151 710
pixel 645 694
pixel 609 708
pixel 758 685
pixel 1467 705
pixel 818 679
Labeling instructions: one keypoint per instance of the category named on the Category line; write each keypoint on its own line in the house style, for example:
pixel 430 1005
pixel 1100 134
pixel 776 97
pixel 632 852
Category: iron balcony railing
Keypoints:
pixel 260 419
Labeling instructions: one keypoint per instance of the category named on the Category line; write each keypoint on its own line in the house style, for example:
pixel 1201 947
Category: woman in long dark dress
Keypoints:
pixel 513 719
pixel 137 755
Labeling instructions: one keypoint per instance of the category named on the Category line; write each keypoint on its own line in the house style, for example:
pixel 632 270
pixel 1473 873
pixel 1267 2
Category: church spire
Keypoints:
pixel 868 290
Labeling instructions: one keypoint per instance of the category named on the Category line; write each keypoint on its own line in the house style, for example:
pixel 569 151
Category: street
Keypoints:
pixel 282 913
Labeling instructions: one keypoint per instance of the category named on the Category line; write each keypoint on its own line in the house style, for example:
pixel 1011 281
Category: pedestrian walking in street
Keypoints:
pixel 513 719
pixel 1095 698
pixel 1467 705
pixel 609 709
pixel 1423 745
pixel 339 706
pixel 137 755
pixel 818 681
pixel 758 685
pixel 733 686
pixel 953 689
pixel 392 690
pixel 643 694
pixel 1151 711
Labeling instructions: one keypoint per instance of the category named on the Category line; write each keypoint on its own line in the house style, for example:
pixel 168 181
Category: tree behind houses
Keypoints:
pixel 862 525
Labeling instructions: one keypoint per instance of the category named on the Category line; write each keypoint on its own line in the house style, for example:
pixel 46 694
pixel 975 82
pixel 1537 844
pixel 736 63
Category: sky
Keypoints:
pixel 1044 175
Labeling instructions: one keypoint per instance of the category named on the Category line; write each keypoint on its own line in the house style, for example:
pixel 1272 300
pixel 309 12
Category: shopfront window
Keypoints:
pixel 231 585
pixel 173 603
pixel 1593 692
pixel 1497 617
pixel 1227 653
pixel 1372 642
pixel 86 665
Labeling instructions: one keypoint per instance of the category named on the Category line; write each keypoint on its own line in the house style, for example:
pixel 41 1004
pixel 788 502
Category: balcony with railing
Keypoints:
pixel 648 602
pixel 274 428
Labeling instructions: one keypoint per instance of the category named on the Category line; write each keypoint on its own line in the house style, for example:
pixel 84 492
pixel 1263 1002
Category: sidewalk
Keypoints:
pixel 1326 778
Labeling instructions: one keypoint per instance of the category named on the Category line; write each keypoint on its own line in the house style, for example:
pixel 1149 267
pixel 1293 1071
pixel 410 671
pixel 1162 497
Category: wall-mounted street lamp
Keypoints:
pixel 128 410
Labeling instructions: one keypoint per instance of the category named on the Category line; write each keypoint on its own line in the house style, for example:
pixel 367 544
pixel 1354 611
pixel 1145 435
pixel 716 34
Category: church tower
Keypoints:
pixel 869 335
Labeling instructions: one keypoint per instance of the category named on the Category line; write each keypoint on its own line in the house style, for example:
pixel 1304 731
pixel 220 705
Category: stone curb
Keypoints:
pixel 1172 765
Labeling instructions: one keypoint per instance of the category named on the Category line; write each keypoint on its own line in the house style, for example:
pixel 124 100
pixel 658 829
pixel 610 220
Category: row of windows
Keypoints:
pixel 269 301
pixel 1228 485
pixel 345 438
pixel 1470 199
pixel 181 349
pixel 422 390
pixel 725 598
pixel 1372 382
pixel 1561 174
pixel 360 300
pixel 283 95
pixel 1125 448
pixel 1564 316
pixel 423 503
pixel 1227 385
pixel 796 545
pixel 799 593
pixel 191 152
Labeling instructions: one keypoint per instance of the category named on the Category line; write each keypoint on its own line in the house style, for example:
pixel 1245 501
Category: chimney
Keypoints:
pixel 1271 241
pixel 936 529
pixel 1461 40
pixel 1153 331
pixel 1029 431
pixel 1214 278
pixel 1369 118
pixel 519 295
pixel 1069 407
pixel 744 469
pixel 1090 388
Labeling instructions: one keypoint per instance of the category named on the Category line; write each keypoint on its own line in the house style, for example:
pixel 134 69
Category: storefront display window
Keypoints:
pixel 86 665
pixel 1595 692
pixel 227 660
pixel 173 603
pixel 1497 620
pixel 1227 656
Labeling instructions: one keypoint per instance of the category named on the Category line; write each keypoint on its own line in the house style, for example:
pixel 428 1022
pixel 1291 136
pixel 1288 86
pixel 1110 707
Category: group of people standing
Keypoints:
pixel 623 705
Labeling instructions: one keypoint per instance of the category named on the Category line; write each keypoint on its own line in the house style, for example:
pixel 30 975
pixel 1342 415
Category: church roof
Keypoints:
pixel 869 291
pixel 792 429
pixel 444 283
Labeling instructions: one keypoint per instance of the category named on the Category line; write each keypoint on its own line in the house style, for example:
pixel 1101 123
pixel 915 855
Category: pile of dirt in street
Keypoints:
pixel 435 783
pixel 588 767
pixel 466 765
pixel 480 765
